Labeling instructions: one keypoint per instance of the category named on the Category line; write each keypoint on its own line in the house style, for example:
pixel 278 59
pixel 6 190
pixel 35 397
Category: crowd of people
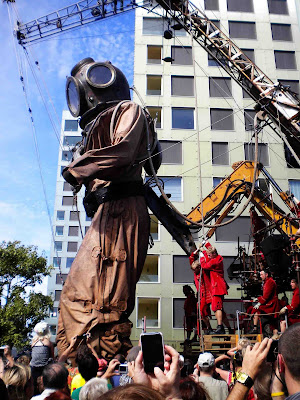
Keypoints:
pixel 260 371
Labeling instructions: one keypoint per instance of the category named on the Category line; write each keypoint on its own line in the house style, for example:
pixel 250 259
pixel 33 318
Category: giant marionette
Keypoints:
pixel 99 293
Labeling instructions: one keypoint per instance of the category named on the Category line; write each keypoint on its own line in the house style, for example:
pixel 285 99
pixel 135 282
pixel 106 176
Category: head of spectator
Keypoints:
pixel 55 376
pixel 87 363
pixel 262 383
pixel 42 331
pixel 242 344
pixel 191 390
pixel 212 252
pixel 289 358
pixel 187 369
pixel 133 353
pixel 133 391
pixel 15 380
pixel 206 364
pixel 61 394
pixel 93 389
pixel 28 387
pixel 24 359
pixel 120 358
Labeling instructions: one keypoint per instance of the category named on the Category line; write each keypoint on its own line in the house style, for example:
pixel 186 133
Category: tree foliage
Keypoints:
pixel 21 268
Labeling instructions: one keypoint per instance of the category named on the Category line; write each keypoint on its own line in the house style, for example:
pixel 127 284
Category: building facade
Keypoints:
pixel 205 124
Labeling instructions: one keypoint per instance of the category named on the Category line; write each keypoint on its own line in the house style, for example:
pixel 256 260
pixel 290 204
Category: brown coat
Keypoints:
pixel 100 287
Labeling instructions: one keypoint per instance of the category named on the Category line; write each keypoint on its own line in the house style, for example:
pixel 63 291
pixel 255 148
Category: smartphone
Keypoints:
pixel 273 352
pixel 152 345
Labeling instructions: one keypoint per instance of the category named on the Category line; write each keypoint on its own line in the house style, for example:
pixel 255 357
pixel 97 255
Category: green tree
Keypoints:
pixel 21 268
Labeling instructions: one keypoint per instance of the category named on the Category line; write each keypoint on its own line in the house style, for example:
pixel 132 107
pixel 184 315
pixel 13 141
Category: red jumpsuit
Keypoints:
pixel 269 300
pixel 294 308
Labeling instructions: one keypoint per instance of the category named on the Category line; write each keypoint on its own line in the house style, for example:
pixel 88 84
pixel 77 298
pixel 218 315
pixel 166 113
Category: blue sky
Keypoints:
pixel 23 211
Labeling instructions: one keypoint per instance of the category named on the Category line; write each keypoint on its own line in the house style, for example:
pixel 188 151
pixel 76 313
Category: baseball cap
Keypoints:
pixel 206 360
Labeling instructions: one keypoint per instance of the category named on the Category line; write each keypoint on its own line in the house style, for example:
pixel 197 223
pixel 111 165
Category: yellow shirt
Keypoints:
pixel 77 382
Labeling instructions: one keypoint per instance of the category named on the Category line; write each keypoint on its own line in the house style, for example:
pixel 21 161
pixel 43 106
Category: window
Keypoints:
pixel 60 215
pixel 56 262
pixel 242 30
pixel 58 246
pixel 57 295
pixel 285 59
pixel 182 272
pixel 59 231
pixel 294 85
pixel 182 55
pixel 220 154
pixel 71 140
pixel 74 215
pixel 72 247
pixel 249 53
pixel 211 4
pixel 67 200
pixel 150 270
pixel 240 229
pixel 154 225
pixel 53 312
pixel 154 54
pixel 60 277
pixel 153 26
pixel 221 119
pixel 240 5
pixel 282 32
pixel 263 153
pixel 67 187
pixel 71 125
pixel 249 119
pixel 154 85
pixel 278 7
pixel 182 86
pixel 171 152
pixel 178 313
pixel 150 308
pixel 217 181
pixel 69 262
pixel 155 113
pixel 73 230
pixel 172 186
pixel 295 187
pixel 66 155
pixel 183 118
pixel 220 87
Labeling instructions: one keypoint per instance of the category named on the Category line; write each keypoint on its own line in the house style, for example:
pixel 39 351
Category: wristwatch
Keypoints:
pixel 244 379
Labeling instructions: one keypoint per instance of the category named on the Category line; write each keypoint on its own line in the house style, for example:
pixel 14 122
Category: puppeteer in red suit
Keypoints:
pixel 293 309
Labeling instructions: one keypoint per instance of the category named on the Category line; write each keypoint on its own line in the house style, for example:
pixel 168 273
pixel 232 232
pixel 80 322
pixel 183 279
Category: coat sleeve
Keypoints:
pixel 295 301
pixel 109 162
pixel 268 292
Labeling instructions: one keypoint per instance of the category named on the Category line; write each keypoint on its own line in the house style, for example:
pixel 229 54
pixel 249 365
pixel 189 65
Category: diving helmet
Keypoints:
pixel 92 83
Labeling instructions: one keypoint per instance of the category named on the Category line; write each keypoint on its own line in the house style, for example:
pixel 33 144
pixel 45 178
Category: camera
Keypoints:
pixel 123 369
pixel 153 351
pixel 273 352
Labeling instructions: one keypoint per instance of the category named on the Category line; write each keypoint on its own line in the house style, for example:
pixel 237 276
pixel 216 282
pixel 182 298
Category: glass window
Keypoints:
pixel 217 181
pixel 66 155
pixel 60 215
pixel 221 119
pixel 56 262
pixel 249 119
pixel 282 32
pixel 154 225
pixel 239 229
pixel 73 230
pixel 285 59
pixel 148 307
pixel 60 277
pixel 249 53
pixel 242 30
pixel 154 85
pixel 150 269
pixel 178 313
pixel 278 7
pixel 183 118
pixel 182 272
pixel 171 152
pixel 74 215
pixel 67 187
pixel 172 186
pixel 240 5
pixel 182 55
pixel 69 261
pixel 263 153
pixel 153 26
pixel 220 87
pixel 71 125
pixel 71 140
pixel 220 154
pixel 58 246
pixel 67 200
pixel 155 113
pixel 72 247
pixel 182 86
pixel 154 54
pixel 293 85
pixel 59 231
pixel 211 4
pixel 295 187
pixel 57 295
